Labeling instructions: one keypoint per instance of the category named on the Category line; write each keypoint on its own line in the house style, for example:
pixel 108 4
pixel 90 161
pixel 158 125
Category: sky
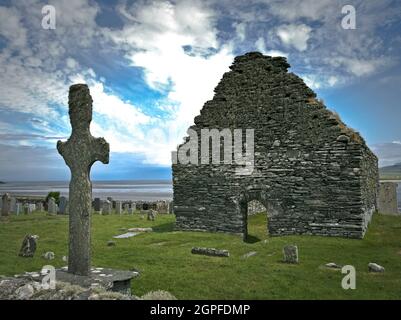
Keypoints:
pixel 151 65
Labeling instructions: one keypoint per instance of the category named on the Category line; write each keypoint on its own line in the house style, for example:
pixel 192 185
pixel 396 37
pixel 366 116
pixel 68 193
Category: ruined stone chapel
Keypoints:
pixel 312 173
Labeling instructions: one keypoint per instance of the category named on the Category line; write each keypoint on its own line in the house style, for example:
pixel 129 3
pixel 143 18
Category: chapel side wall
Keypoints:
pixel 300 198
pixel 369 174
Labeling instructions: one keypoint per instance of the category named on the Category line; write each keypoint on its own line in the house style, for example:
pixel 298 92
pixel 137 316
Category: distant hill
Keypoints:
pixel 2 182
pixel 391 172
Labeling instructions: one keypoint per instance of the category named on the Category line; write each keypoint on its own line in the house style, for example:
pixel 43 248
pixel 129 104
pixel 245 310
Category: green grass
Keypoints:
pixel 165 260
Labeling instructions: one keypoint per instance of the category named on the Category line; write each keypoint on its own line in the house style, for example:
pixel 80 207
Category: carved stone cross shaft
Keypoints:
pixel 80 151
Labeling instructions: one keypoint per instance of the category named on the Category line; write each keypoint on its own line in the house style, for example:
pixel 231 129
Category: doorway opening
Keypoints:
pixel 256 220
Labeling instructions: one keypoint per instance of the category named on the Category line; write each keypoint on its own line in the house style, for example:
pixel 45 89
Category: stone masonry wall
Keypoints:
pixel 312 173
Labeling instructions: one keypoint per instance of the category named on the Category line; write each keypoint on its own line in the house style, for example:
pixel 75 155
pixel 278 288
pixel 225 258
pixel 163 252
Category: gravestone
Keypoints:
pixel 290 253
pixel 5 210
pixel 374 267
pixel 27 208
pixel 97 204
pixel 1 204
pixel 51 206
pixel 151 215
pixel 106 207
pixel 126 207
pixel 80 152
pixel 32 207
pixel 40 206
pixel 162 206
pixel 170 207
pixel 130 211
pixel 18 208
pixel 28 247
pixel 13 203
pixel 63 205
pixel 387 201
pixel 118 207
pixel 210 252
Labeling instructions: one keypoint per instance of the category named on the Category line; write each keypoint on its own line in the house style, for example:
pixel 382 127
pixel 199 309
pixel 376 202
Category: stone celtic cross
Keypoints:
pixel 80 151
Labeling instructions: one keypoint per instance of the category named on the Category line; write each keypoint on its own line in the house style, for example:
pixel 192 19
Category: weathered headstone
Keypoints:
pixel 32 207
pixel 170 207
pixel 13 203
pixel 119 207
pixel 5 209
pixel 126 207
pixel 27 208
pixel 51 206
pixel 290 253
pixel 162 206
pixel 63 205
pixel 130 211
pixel 28 247
pixel 151 215
pixel 80 152
pixel 97 204
pixel 40 207
pixel 18 208
pixel 387 201
pixel 106 209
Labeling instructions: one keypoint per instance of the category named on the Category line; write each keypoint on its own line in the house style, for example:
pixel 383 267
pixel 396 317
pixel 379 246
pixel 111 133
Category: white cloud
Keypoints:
pixel 312 81
pixel 332 81
pixel 359 67
pixel 156 35
pixel 388 153
pixel 11 27
pixel 240 30
pixel 294 35
pixel 261 47
pixel 294 9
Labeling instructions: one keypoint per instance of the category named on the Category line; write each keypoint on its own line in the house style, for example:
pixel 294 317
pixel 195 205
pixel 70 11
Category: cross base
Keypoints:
pixel 110 279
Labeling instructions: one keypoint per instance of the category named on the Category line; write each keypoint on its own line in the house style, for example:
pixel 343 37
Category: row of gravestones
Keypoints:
pixel 10 205
pixel 54 208
pixel 120 207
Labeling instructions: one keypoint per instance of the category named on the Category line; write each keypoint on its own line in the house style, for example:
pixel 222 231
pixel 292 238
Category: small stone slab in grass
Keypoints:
pixel 126 235
pixel 210 252
pixel 374 267
pixel 333 265
pixel 290 253
pixel 140 230
pixel 249 254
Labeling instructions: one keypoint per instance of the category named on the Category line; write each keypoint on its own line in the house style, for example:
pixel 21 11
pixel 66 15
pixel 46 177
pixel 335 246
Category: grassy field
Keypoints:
pixel 165 260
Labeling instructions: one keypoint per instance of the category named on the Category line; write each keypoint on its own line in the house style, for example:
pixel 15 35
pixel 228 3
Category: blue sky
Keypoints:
pixel 151 65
